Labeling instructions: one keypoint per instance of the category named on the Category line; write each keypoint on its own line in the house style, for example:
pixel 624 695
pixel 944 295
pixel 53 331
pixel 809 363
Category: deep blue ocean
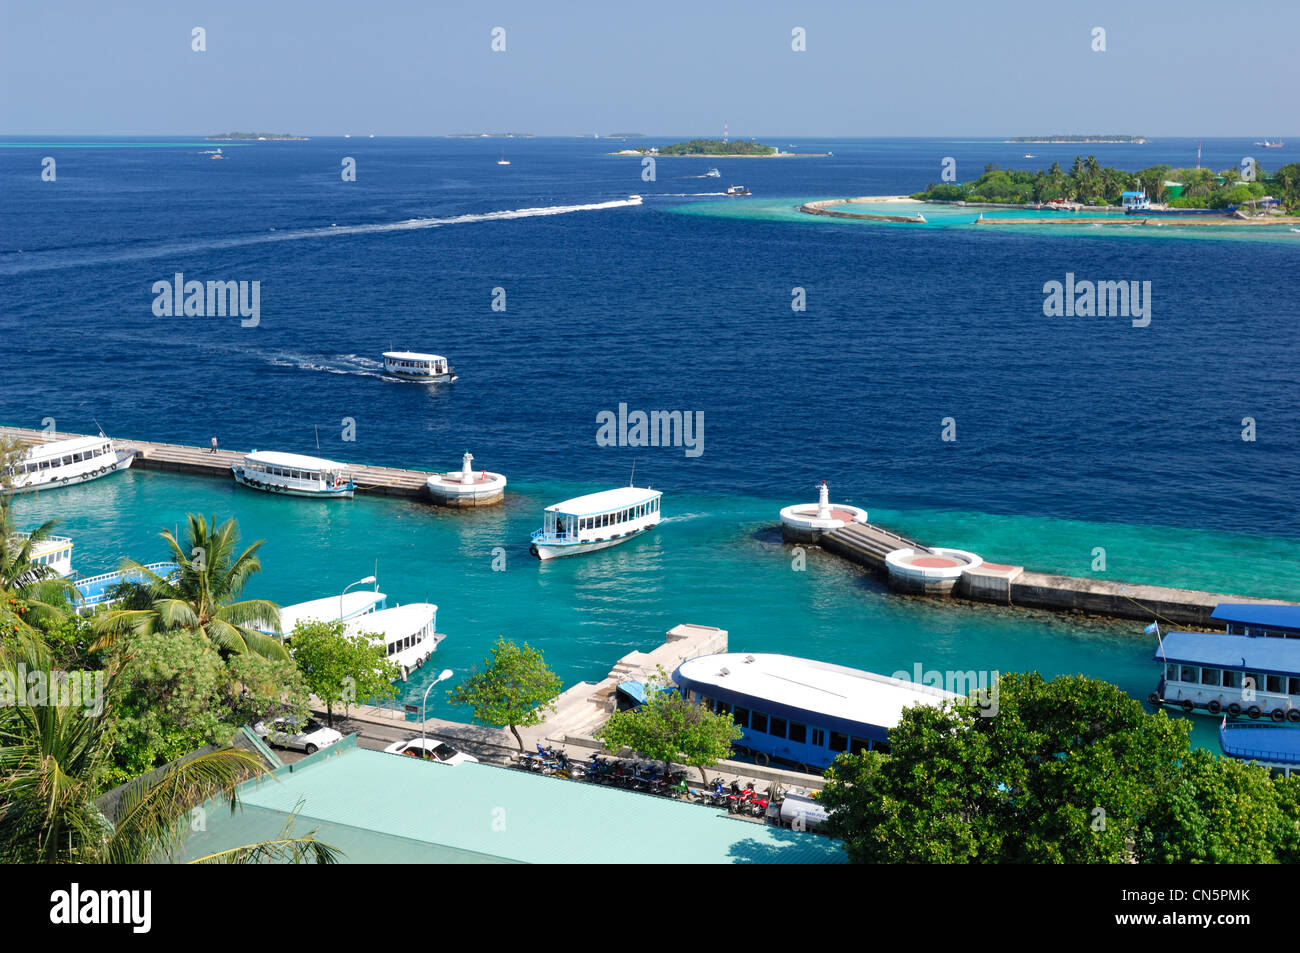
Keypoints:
pixel 1086 418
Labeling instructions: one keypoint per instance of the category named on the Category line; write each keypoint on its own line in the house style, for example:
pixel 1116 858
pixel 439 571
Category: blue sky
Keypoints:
pixel 871 68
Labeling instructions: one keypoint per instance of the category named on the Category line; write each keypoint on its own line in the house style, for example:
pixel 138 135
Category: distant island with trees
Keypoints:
pixel 716 149
pixel 1090 183
pixel 228 136
pixel 1134 139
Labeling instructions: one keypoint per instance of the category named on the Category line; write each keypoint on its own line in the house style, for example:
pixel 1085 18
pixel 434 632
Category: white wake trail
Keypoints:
pixel 17 263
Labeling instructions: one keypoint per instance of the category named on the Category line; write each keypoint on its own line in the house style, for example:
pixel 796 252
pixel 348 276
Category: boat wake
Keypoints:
pixel 349 364
pixel 16 263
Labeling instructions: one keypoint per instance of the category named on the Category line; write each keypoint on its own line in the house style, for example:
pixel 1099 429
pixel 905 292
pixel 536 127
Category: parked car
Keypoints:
pixel 431 749
pixel 309 736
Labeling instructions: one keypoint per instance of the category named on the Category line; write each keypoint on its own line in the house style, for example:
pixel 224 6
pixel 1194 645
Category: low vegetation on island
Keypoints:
pixel 1089 183
pixel 227 136
pixel 714 147
pixel 1134 139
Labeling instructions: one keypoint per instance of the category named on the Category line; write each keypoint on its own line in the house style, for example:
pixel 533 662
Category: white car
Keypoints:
pixel 431 749
pixel 309 736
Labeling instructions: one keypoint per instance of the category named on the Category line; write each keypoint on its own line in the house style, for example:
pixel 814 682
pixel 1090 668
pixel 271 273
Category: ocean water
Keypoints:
pixel 1072 434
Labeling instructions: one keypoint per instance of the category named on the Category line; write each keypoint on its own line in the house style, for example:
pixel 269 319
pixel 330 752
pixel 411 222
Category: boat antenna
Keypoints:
pixel 317 426
pixel 98 427
pixel 632 482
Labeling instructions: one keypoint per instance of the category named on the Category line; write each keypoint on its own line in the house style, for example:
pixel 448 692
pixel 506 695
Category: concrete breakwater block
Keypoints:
pixel 934 571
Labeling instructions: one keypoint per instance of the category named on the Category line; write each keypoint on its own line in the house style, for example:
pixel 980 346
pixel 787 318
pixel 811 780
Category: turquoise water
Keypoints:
pixel 714 561
pixel 951 216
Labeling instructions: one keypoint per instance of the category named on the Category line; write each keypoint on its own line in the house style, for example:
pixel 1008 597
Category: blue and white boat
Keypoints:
pixel 799 711
pixel 294 475
pixel 97 591
pixel 54 552
pixel 595 521
pixel 1214 673
pixel 1276 747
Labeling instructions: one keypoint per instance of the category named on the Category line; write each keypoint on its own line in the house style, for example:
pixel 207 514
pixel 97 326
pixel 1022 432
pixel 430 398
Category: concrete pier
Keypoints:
pixel 178 458
pixel 869 545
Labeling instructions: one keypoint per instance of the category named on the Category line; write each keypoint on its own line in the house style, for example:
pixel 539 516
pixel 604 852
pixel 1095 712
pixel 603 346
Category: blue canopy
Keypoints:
pixel 1265 616
pixel 1279 744
pixel 1234 652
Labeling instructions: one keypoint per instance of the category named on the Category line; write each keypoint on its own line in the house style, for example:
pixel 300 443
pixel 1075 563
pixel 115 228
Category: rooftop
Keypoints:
pixel 1261 741
pixel 383 808
pixel 293 461
pixel 848 694
pixel 1234 652
pixel 604 501
pixel 1268 616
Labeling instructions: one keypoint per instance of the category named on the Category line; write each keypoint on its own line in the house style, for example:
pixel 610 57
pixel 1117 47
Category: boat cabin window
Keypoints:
pixel 860 744
pixel 776 727
pixel 1212 676
pixel 1293 686
pixel 1231 679
pixel 798 733
pixel 741 715
pixel 818 737
pixel 882 747
pixel 1189 674
pixel 839 742
pixel 758 721
pixel 723 708
pixel 1274 683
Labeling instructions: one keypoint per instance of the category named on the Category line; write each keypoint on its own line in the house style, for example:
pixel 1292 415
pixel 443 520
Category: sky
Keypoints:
pixel 1200 68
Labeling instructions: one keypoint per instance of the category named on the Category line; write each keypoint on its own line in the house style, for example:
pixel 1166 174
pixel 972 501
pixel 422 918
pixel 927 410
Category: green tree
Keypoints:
pixel 1066 771
pixel 339 668
pixel 12 452
pixel 670 728
pixel 53 759
pixel 514 689
pixel 203 598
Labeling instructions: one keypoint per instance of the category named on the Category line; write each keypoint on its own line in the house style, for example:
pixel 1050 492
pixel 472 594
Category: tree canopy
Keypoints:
pixel 514 689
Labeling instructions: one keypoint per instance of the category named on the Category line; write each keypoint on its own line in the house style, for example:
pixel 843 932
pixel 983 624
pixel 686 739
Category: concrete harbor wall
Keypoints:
pixel 201 461
pixel 868 545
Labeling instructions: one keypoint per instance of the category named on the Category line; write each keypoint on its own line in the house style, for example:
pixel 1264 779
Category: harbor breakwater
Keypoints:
pixel 827 207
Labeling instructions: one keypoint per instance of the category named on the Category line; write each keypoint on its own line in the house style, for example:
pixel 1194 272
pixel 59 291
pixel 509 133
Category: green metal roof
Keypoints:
pixel 382 808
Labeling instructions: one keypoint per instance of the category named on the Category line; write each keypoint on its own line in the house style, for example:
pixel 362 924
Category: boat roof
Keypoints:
pixel 49 544
pixel 294 461
pixel 1268 616
pixel 329 608
pixel 834 691
pixel 60 447
pixel 604 501
pixel 1234 652
pixel 397 622
pixel 413 356
pixel 1261 741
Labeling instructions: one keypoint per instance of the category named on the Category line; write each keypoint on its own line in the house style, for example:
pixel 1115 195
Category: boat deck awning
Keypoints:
pixel 1264 616
pixel 1277 744
pixel 1234 652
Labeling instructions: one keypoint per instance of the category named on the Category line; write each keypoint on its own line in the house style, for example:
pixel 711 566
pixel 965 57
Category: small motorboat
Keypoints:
pixel 713 174
pixel 737 190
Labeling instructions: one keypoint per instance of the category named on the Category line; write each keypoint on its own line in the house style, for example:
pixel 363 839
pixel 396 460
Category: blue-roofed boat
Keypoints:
pixel 1213 672
pixel 1276 747
pixel 1272 621
pixel 97 591
pixel 799 711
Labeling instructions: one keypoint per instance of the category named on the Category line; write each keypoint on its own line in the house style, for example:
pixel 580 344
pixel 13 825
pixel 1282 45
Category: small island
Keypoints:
pixel 718 149
pixel 233 136
pixel 1137 140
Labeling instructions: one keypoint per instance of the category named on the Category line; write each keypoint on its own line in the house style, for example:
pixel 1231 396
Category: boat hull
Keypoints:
pixel 545 551
pixel 424 378
pixel 342 493
pixel 123 461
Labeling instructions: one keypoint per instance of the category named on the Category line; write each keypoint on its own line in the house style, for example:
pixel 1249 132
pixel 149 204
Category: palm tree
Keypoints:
pixel 53 753
pixel 201 596
pixel 29 591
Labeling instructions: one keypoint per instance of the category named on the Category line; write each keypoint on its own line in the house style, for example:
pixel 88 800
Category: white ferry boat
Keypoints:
pixel 737 190
pixel 799 711
pixel 341 608
pixel 54 552
pixel 596 521
pixel 407 632
pixel 65 462
pixel 414 366
pixel 713 174
pixel 294 475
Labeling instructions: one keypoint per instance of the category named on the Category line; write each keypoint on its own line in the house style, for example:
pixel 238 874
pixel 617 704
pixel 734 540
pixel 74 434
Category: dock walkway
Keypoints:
pixel 178 458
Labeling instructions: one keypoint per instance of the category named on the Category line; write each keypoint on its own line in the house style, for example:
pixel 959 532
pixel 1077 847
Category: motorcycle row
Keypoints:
pixel 647 777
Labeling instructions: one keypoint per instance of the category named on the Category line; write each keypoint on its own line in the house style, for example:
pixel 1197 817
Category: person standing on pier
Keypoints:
pixel 214 443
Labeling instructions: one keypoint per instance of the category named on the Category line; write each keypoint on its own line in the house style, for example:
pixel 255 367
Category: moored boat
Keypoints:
pixel 800 711
pixel 1276 747
pixel 1213 673
pixel 65 462
pixel 341 608
pixel 54 552
pixel 416 366
pixel 595 521
pixel 98 591
pixel 294 474
pixel 408 633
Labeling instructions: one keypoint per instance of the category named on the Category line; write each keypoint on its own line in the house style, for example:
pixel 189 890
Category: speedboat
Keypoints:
pixel 713 174
pixel 65 462
pixel 585 524
pixel 294 474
